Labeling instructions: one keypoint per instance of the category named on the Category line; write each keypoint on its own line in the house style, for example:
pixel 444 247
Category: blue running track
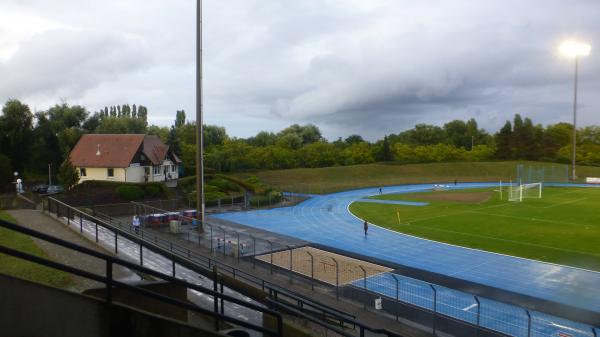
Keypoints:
pixel 325 219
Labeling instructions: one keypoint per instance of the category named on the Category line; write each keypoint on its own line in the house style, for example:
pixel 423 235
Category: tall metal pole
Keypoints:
pixel 199 120
pixel 575 116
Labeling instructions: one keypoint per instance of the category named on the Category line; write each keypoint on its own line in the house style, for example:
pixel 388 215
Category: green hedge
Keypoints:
pixel 131 192
pixel 152 190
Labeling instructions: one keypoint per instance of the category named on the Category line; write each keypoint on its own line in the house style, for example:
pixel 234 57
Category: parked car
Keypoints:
pixel 55 189
pixel 39 188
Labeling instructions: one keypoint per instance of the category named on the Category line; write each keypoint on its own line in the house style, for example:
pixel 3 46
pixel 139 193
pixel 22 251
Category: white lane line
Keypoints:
pixel 470 307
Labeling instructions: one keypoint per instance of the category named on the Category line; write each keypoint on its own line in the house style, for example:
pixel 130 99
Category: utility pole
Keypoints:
pixel 199 120
pixel 49 174
pixel 575 116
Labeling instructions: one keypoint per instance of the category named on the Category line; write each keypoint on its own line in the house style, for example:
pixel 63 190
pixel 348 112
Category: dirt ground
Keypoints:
pixel 324 265
pixel 466 197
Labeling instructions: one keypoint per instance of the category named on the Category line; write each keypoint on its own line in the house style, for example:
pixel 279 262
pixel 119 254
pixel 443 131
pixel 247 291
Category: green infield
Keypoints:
pixel 562 227
pixel 24 269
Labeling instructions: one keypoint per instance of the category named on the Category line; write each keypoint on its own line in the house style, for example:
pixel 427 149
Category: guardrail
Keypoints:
pixel 202 265
pixel 110 282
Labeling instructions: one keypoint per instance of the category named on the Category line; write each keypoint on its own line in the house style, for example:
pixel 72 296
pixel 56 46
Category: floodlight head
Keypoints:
pixel 573 48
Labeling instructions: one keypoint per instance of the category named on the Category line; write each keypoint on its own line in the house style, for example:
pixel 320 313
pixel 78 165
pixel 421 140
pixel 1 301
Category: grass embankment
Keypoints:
pixel 27 270
pixel 563 227
pixel 332 179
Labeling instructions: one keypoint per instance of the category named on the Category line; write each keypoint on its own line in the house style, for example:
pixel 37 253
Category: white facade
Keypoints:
pixel 134 173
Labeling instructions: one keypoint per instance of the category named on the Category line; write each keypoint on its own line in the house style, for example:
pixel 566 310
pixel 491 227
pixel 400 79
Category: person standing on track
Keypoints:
pixel 366 227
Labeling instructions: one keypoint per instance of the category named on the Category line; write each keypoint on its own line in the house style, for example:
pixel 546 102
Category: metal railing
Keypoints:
pixel 110 282
pixel 202 265
pixel 442 310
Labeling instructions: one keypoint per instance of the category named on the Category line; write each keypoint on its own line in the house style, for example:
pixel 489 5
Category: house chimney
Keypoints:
pixel 98 152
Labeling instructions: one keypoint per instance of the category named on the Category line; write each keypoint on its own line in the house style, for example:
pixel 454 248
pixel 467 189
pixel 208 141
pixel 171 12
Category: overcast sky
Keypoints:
pixel 369 67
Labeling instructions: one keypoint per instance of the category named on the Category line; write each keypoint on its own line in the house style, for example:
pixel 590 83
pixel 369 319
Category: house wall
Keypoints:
pixel 100 173
pixel 135 174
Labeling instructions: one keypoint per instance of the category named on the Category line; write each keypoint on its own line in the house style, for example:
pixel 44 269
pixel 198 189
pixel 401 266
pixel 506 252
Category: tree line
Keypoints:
pixel 30 141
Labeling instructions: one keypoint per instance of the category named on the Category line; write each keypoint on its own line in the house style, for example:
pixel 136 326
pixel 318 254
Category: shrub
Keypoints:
pixel 224 185
pixel 270 198
pixel 130 192
pixel 152 190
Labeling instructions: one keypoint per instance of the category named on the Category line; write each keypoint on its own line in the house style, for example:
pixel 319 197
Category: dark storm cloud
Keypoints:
pixel 350 66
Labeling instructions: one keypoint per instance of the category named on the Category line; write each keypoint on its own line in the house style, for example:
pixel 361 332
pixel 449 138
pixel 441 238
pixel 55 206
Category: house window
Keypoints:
pixel 156 170
pixel 110 172
pixel 173 168
pixel 82 172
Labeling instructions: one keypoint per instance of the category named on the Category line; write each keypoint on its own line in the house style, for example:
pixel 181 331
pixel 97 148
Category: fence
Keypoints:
pixel 219 298
pixel 106 228
pixel 542 173
pixel 427 305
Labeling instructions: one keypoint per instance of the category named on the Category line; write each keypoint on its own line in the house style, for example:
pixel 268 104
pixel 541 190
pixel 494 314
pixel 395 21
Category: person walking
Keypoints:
pixel 136 224
pixel 366 227
pixel 380 190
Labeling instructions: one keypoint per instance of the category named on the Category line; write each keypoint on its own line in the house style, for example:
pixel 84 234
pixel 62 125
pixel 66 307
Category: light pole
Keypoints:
pixel 574 49
pixel 199 120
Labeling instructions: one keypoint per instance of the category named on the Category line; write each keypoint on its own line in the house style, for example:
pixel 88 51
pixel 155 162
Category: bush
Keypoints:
pixel 152 190
pixel 130 192
pixel 270 198
pixel 224 185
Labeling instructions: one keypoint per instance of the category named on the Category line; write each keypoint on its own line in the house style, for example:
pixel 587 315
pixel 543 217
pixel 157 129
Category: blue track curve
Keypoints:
pixel 325 219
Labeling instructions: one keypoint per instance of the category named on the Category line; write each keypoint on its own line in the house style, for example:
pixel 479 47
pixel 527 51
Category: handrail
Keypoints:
pixel 303 299
pixel 339 315
pixel 107 279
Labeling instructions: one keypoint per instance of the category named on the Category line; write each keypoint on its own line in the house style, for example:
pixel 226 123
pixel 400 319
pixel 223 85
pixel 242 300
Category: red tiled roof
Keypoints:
pixel 154 149
pixel 115 150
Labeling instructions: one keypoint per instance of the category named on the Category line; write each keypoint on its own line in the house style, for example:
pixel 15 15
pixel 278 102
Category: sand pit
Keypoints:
pixel 324 264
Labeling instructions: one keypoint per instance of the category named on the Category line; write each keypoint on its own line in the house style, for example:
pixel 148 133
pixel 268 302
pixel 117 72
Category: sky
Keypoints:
pixel 369 67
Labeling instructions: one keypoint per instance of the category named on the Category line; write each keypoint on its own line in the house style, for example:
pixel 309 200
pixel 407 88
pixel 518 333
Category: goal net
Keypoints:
pixel 520 192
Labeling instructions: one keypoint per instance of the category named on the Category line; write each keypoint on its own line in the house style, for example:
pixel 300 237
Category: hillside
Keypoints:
pixel 338 178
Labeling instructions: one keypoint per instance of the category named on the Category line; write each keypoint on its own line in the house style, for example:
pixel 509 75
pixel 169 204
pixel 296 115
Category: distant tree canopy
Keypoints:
pixel 28 142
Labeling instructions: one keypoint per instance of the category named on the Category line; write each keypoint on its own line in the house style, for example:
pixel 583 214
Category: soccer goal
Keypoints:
pixel 518 193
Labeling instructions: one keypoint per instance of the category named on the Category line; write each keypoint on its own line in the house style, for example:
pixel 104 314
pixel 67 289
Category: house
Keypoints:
pixel 126 158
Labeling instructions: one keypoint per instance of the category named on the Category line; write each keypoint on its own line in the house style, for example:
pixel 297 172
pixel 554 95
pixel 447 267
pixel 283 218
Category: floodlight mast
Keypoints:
pixel 575 50
pixel 199 120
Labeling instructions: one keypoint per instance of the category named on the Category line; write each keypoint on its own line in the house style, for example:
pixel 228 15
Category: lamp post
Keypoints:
pixel 574 49
pixel 199 120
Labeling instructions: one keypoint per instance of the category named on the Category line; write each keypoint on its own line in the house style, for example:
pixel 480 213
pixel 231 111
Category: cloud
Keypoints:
pixel 368 67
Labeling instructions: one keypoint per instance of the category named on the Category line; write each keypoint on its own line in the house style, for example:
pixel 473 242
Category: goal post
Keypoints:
pixel 523 191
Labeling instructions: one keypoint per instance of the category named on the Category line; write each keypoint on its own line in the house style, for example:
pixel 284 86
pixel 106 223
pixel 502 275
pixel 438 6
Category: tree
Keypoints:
pixel 504 142
pixel 214 135
pixel 6 172
pixel 173 141
pixel 263 138
pixel 180 118
pixel 16 130
pixel 291 141
pixel 67 174
pixel 386 152
pixel 354 139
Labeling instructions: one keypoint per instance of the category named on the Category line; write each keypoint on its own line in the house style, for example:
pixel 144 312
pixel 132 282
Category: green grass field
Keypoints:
pixel 27 270
pixel 563 227
pixel 339 178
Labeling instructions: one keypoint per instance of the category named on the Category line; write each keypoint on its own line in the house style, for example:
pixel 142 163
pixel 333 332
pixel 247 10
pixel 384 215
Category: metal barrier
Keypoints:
pixel 107 279
pixel 446 307
pixel 202 264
